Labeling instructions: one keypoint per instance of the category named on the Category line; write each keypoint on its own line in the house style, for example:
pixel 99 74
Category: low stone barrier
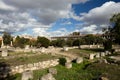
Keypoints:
pixel 99 55
pixel 34 66
pixel 90 46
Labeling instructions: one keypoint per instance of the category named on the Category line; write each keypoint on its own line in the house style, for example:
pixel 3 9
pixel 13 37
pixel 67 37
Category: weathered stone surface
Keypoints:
pixel 68 65
pixel 4 53
pixel 104 78
pixel 97 55
pixel 27 47
pixel 98 46
pixel 34 66
pixel 102 54
pixel 48 76
pixel 79 60
pixel 11 43
pixel 90 46
pixel 91 56
pixel 27 75
pixel 68 59
pixel 42 50
pixel 105 61
pixel 65 49
pixel 52 70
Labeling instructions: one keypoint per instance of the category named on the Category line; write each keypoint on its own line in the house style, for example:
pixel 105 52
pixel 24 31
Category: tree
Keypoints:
pixel 60 43
pixel 33 42
pixel 53 43
pixel 69 42
pixel 78 42
pixel 21 42
pixel 107 45
pixel 89 39
pixel 42 42
pixel 115 21
pixel 7 38
pixel 98 40
pixel 112 33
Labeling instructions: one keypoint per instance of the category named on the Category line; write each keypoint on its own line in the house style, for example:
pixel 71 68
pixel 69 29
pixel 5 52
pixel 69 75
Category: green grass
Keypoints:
pixel 19 53
pixel 111 71
pixel 83 71
pixel 75 73
pixel 84 52
pixel 26 60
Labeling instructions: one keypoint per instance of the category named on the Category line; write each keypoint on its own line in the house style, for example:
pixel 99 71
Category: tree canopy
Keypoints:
pixel 42 42
pixel 7 38
pixel 115 21
pixel 21 42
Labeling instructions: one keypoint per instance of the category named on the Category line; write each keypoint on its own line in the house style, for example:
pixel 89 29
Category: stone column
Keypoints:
pixel 2 44
pixel 91 56
pixel 11 43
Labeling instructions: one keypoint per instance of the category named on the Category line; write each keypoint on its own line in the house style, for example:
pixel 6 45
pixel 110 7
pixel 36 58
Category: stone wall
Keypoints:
pixel 90 46
pixel 34 66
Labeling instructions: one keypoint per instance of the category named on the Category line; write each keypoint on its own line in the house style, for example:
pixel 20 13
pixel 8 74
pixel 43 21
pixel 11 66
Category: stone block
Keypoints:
pixel 52 70
pixel 65 49
pixel 102 54
pixel 68 65
pixel 97 55
pixel 4 53
pixel 79 60
pixel 91 56
pixel 27 75
pixel 48 76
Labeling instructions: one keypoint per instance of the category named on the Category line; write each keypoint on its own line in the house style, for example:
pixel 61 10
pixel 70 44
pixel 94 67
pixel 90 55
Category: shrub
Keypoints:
pixel 62 61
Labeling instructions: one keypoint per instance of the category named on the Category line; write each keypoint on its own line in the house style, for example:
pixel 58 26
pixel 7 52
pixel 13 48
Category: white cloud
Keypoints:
pixel 92 29
pixel 4 6
pixel 59 32
pixel 20 15
pixel 98 16
pixel 102 14
pixel 44 32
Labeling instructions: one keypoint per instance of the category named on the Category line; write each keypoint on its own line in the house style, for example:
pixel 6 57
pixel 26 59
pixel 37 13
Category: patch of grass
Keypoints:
pixel 39 73
pixel 97 69
pixel 19 53
pixel 86 71
pixel 83 71
pixel 75 73
pixel 30 59
pixel 84 52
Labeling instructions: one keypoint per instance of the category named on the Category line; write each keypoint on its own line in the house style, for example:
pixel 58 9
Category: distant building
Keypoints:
pixel 74 35
pixel 25 36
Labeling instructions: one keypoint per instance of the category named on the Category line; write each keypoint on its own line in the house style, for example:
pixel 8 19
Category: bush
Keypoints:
pixel 62 61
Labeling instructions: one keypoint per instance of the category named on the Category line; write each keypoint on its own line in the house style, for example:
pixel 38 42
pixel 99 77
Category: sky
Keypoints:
pixel 56 17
